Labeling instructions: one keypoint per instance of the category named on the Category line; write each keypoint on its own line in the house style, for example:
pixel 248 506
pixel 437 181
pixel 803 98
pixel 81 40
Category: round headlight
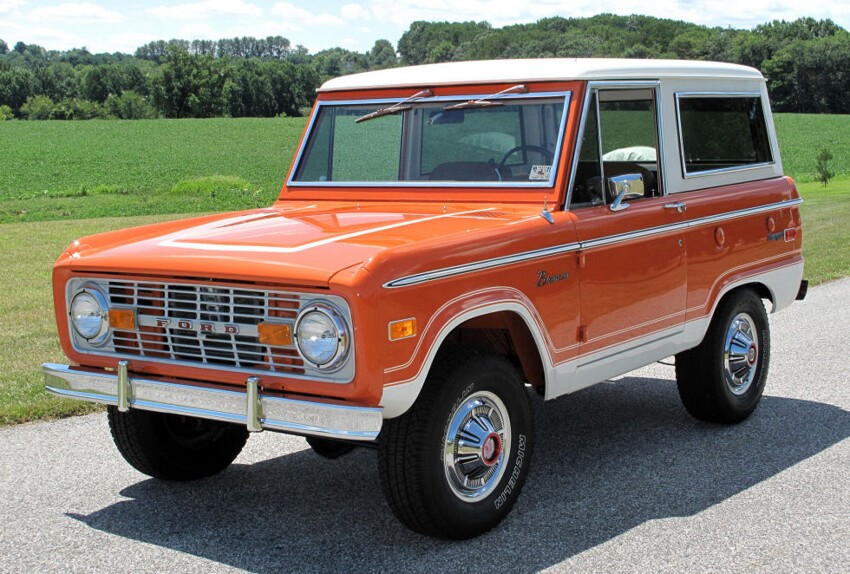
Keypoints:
pixel 89 315
pixel 322 336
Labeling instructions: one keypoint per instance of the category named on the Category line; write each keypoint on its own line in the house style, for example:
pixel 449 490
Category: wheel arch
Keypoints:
pixel 779 286
pixel 509 324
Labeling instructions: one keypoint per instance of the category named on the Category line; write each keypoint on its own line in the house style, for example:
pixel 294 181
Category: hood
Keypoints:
pixel 294 243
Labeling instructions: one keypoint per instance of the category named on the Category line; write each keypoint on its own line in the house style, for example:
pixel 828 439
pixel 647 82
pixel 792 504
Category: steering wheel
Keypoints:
pixel 547 155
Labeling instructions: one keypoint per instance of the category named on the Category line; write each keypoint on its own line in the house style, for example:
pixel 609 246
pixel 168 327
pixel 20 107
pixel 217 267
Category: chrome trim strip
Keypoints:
pixel 566 96
pixel 481 265
pixel 652 231
pixel 744 212
pixel 272 413
pixel 571 247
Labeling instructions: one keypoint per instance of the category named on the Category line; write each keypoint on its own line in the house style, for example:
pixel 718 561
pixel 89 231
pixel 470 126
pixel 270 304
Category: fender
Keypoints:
pixel 399 396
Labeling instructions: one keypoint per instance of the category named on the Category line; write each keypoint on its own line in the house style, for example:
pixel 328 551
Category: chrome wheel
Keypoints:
pixel 477 443
pixel 741 354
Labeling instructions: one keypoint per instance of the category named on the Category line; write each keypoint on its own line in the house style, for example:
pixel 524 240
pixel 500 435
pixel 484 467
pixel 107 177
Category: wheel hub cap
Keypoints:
pixel 476 446
pixel 741 354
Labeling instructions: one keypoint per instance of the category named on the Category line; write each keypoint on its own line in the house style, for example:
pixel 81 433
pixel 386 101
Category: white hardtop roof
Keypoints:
pixel 537 70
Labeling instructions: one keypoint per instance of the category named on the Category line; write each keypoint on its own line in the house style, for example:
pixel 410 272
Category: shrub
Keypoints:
pixel 130 105
pixel 824 173
pixel 74 109
pixel 6 113
pixel 37 108
pixel 214 185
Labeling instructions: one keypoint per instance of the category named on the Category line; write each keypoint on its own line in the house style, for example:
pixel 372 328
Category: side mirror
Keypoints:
pixel 620 186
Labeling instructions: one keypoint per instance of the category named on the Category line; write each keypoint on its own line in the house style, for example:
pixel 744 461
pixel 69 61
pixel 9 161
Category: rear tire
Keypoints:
pixel 454 465
pixel 722 380
pixel 175 447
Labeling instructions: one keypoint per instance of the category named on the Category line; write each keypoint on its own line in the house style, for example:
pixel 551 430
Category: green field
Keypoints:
pixel 802 136
pixel 74 170
pixel 87 169
pixel 63 180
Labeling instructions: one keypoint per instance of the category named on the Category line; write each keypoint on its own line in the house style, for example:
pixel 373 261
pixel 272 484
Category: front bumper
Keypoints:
pixel 251 408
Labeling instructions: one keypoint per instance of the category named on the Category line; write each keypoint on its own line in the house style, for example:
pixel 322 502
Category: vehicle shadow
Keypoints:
pixel 607 459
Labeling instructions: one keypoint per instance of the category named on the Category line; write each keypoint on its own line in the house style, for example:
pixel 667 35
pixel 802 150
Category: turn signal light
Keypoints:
pixel 122 319
pixel 275 334
pixel 403 329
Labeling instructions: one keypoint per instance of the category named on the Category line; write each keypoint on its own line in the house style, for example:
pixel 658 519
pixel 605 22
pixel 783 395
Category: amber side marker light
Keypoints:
pixel 275 334
pixel 122 319
pixel 403 329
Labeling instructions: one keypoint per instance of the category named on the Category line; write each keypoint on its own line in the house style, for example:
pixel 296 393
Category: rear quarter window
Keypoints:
pixel 722 133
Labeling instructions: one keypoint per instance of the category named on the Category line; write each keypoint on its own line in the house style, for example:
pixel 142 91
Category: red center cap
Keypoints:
pixel 752 354
pixel 492 449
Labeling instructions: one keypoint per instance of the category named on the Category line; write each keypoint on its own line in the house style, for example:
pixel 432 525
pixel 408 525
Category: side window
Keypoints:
pixel 619 144
pixel 722 133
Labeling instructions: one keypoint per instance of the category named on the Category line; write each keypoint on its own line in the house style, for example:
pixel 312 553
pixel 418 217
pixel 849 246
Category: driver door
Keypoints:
pixel 632 260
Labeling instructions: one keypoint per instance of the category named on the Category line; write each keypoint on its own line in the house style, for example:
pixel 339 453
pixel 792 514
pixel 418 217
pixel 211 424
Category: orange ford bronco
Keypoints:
pixel 450 239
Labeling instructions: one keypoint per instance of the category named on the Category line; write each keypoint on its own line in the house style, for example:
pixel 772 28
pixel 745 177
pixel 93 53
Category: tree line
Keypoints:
pixel 806 62
pixel 236 77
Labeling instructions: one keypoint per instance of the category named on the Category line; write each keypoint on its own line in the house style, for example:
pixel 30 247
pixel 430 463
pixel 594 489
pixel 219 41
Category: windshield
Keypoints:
pixel 512 142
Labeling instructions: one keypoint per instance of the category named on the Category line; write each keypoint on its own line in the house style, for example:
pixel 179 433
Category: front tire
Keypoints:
pixel 454 465
pixel 175 447
pixel 722 380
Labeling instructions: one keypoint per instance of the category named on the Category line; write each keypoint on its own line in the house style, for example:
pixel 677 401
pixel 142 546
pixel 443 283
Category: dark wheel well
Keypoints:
pixel 760 289
pixel 506 334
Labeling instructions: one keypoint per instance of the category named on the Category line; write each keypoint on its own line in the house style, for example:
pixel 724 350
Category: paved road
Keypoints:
pixel 622 481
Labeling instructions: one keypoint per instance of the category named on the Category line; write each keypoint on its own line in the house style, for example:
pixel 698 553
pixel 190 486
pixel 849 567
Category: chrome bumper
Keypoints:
pixel 255 410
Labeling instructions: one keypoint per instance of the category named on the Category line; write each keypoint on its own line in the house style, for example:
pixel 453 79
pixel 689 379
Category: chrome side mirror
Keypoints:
pixel 622 185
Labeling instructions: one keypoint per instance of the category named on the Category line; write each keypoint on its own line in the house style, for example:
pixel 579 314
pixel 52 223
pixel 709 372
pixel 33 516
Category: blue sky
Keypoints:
pixel 121 25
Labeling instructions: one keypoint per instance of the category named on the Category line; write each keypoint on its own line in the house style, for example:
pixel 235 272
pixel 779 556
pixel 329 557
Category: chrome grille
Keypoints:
pixel 168 317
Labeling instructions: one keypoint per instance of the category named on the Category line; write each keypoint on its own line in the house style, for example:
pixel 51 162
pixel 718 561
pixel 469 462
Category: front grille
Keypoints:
pixel 205 324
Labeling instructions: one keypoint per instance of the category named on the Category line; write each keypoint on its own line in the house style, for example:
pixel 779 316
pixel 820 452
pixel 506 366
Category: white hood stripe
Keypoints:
pixel 176 241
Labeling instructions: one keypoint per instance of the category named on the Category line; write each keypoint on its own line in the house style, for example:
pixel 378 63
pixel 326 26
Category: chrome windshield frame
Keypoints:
pixel 550 183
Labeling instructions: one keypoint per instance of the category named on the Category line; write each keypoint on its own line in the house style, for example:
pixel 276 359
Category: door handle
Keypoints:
pixel 679 206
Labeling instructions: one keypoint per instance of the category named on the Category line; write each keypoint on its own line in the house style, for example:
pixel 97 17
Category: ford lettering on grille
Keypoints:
pixel 185 325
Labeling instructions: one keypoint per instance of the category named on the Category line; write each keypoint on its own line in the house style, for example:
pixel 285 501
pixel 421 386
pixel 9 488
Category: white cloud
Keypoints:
pixel 354 12
pixel 328 20
pixel 206 9
pixel 76 11
pixel 7 6
pixel 290 11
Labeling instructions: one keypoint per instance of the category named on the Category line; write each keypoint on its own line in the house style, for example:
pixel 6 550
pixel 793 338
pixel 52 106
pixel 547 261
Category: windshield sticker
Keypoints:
pixel 540 173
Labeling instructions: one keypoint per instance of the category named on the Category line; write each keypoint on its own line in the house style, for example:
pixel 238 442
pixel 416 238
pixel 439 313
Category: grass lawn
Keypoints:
pixel 28 334
pixel 826 237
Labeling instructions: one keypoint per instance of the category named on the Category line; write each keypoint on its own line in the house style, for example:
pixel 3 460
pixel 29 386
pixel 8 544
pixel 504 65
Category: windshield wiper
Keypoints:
pixel 396 108
pixel 486 101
